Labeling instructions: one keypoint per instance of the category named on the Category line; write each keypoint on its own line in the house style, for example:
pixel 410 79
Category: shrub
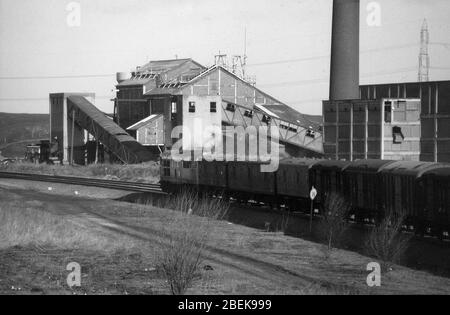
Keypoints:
pixel 181 258
pixel 386 241
pixel 334 219
pixel 187 234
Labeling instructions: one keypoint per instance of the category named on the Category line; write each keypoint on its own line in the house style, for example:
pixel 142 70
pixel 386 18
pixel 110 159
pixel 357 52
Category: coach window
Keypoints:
pixel 213 107
pixel 191 107
pixel 174 107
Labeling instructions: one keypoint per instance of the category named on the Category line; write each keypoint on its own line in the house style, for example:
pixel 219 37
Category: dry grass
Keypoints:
pixel 145 173
pixel 191 202
pixel 27 226
pixel 386 241
pixel 188 232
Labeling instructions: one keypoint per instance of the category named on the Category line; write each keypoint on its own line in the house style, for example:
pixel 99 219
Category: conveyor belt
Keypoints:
pixel 113 137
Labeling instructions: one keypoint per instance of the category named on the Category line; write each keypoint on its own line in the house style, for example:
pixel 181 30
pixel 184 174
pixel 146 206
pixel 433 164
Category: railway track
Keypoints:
pixel 92 182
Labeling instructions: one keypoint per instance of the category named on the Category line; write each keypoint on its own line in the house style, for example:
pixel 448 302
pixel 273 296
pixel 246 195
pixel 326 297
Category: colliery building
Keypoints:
pixel 402 121
pixel 165 94
pixel 131 105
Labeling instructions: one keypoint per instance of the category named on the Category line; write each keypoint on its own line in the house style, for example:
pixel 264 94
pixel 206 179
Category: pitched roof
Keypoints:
pixel 149 71
pixel 164 65
pixel 289 114
pixel 163 91
pixel 144 122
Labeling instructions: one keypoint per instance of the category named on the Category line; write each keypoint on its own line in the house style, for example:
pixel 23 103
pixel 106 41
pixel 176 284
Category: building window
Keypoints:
pixel 266 119
pixel 388 112
pixel 231 108
pixel 191 107
pixel 213 107
pixel 397 135
pixel 248 113
pixel 310 133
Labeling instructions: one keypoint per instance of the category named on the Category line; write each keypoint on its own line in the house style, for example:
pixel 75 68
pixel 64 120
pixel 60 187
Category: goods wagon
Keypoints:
pixel 327 177
pixel 361 187
pixel 400 189
pixel 434 199
pixel 293 183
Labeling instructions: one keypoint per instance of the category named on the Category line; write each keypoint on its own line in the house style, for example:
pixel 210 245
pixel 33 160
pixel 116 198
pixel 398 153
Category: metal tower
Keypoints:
pixel 221 60
pixel 424 58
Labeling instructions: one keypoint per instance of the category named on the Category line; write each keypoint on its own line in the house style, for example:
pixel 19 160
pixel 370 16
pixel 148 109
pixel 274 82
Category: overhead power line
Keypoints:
pixel 326 80
pixel 81 76
pixel 24 99
pixel 371 50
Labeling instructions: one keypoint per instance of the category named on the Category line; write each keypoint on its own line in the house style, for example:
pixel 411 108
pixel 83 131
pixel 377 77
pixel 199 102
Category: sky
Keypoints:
pixel 43 50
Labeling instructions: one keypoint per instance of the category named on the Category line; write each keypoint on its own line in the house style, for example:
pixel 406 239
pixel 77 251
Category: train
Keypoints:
pixel 420 190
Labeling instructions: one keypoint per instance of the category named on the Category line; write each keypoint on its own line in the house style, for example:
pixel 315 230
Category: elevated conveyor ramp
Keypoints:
pixel 114 138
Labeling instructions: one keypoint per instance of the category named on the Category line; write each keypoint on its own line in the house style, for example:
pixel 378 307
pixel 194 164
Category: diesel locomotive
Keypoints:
pixel 421 190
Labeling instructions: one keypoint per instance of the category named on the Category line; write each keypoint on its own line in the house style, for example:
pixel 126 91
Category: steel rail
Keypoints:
pixel 83 181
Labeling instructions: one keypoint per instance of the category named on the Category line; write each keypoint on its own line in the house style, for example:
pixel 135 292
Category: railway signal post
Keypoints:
pixel 312 195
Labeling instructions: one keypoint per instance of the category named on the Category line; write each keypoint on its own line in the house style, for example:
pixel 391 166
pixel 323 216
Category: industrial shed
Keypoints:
pixel 150 131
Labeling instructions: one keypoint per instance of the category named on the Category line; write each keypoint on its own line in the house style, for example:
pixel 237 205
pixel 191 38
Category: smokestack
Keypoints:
pixel 344 78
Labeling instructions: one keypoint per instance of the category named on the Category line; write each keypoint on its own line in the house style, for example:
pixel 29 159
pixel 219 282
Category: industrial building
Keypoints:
pixel 84 134
pixel 190 95
pixel 401 121
pixel 373 129
pixel 131 106
pixel 166 94
pixel 435 113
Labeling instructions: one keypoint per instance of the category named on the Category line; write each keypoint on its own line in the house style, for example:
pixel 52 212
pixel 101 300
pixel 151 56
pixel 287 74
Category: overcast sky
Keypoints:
pixel 288 44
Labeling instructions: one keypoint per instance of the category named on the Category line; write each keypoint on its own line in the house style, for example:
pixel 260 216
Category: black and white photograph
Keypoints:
pixel 224 155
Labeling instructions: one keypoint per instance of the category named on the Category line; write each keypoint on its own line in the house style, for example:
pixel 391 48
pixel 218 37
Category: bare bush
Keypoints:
pixel 386 241
pixel 187 234
pixel 181 258
pixel 334 219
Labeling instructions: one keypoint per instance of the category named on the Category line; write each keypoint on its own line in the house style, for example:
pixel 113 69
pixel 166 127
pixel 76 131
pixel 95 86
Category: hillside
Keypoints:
pixel 18 130
pixel 18 127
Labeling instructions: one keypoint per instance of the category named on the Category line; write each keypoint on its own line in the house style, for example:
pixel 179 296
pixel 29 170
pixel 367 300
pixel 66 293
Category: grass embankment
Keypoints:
pixel 142 173
pixel 137 249
pixel 26 226
pixel 36 246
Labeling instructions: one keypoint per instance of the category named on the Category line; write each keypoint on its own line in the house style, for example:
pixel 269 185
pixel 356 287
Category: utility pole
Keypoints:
pixel 424 58
pixel 240 61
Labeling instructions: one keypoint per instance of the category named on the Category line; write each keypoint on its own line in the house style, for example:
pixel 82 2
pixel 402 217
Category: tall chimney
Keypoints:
pixel 344 78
